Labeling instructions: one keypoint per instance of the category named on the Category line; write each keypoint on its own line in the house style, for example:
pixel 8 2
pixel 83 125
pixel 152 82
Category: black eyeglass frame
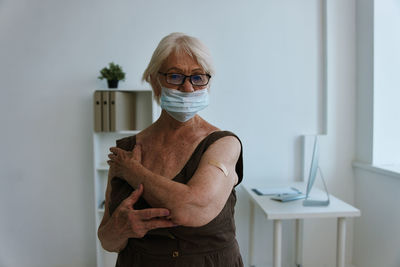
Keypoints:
pixel 186 76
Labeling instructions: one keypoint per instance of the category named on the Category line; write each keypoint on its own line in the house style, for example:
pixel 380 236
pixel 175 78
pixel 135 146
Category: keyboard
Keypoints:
pixel 288 197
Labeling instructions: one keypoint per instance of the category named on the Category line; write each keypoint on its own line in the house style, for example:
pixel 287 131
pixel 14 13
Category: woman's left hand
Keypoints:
pixel 124 163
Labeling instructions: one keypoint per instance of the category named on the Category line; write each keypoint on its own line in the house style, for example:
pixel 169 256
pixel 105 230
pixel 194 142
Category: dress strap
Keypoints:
pixel 127 143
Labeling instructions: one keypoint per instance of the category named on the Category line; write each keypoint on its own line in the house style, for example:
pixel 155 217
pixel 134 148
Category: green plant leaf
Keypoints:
pixel 113 72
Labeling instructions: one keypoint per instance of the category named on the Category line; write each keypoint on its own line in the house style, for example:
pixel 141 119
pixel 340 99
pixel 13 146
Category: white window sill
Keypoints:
pixel 392 170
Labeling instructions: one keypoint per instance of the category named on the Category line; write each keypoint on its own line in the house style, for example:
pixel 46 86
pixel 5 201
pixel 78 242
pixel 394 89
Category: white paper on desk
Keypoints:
pixel 277 190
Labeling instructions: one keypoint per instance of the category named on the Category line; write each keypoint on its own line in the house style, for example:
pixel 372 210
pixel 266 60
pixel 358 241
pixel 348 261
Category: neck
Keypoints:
pixel 168 123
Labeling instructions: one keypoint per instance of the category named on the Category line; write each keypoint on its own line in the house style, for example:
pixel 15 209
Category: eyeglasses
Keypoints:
pixel 179 79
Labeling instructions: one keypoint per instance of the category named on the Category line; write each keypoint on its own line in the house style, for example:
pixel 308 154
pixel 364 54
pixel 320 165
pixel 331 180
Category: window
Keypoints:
pixel 386 98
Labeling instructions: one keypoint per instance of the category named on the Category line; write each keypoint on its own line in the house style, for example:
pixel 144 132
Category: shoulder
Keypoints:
pixel 227 143
pixel 226 137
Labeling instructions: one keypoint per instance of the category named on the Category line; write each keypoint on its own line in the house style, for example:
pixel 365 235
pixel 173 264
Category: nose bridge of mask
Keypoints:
pixel 172 95
pixel 186 101
pixel 180 94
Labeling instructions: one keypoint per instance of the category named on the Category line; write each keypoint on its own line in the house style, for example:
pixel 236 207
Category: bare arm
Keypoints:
pixel 202 199
pixel 126 222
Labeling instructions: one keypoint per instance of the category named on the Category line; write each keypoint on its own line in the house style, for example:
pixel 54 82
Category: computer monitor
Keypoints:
pixel 312 176
pixel 313 166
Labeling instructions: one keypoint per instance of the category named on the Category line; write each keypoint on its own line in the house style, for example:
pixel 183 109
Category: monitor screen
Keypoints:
pixel 313 166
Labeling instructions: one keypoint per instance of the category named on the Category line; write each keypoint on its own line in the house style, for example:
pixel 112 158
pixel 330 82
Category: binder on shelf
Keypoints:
pixel 115 111
pixel 105 111
pixel 97 112
pixel 122 111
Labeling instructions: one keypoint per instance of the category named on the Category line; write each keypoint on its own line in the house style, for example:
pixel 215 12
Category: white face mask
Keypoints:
pixel 183 106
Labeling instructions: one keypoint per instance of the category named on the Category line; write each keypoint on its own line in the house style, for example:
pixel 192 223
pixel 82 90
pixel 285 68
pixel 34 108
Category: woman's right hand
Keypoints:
pixel 131 223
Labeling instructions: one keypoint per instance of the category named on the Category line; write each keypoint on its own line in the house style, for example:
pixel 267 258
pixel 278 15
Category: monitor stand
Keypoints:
pixel 316 203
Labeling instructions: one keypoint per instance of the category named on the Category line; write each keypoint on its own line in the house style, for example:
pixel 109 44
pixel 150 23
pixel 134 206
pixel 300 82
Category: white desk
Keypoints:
pixel 278 211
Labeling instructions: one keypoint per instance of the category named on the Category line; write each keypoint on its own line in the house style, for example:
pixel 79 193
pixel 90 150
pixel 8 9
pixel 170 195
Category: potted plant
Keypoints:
pixel 113 74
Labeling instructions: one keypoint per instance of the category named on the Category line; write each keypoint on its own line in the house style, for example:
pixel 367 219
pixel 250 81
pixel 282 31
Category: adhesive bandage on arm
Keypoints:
pixel 219 165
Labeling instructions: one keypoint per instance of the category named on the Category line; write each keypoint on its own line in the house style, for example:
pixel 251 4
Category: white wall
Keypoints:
pixel 377 232
pixel 267 89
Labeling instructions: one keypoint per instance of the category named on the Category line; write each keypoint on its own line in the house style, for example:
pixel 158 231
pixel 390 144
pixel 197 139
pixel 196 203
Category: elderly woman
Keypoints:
pixel 183 169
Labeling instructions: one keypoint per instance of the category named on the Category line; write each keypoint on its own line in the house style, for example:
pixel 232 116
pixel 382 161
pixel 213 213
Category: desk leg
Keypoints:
pixel 277 256
pixel 341 242
pixel 299 242
pixel 251 235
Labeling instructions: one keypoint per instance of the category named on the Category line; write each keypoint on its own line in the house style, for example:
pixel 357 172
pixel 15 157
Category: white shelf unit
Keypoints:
pixel 146 112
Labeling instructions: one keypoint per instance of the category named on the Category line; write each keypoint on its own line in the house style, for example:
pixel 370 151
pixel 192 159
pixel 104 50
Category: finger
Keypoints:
pixel 112 156
pixel 158 223
pixel 148 214
pixel 137 152
pixel 119 154
pixel 115 150
pixel 134 196
pixel 113 163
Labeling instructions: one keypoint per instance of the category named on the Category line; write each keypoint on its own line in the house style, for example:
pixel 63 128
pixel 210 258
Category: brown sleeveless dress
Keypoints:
pixel 211 245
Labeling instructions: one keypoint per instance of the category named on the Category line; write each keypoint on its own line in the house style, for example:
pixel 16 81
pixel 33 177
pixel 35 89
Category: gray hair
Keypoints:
pixel 176 42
